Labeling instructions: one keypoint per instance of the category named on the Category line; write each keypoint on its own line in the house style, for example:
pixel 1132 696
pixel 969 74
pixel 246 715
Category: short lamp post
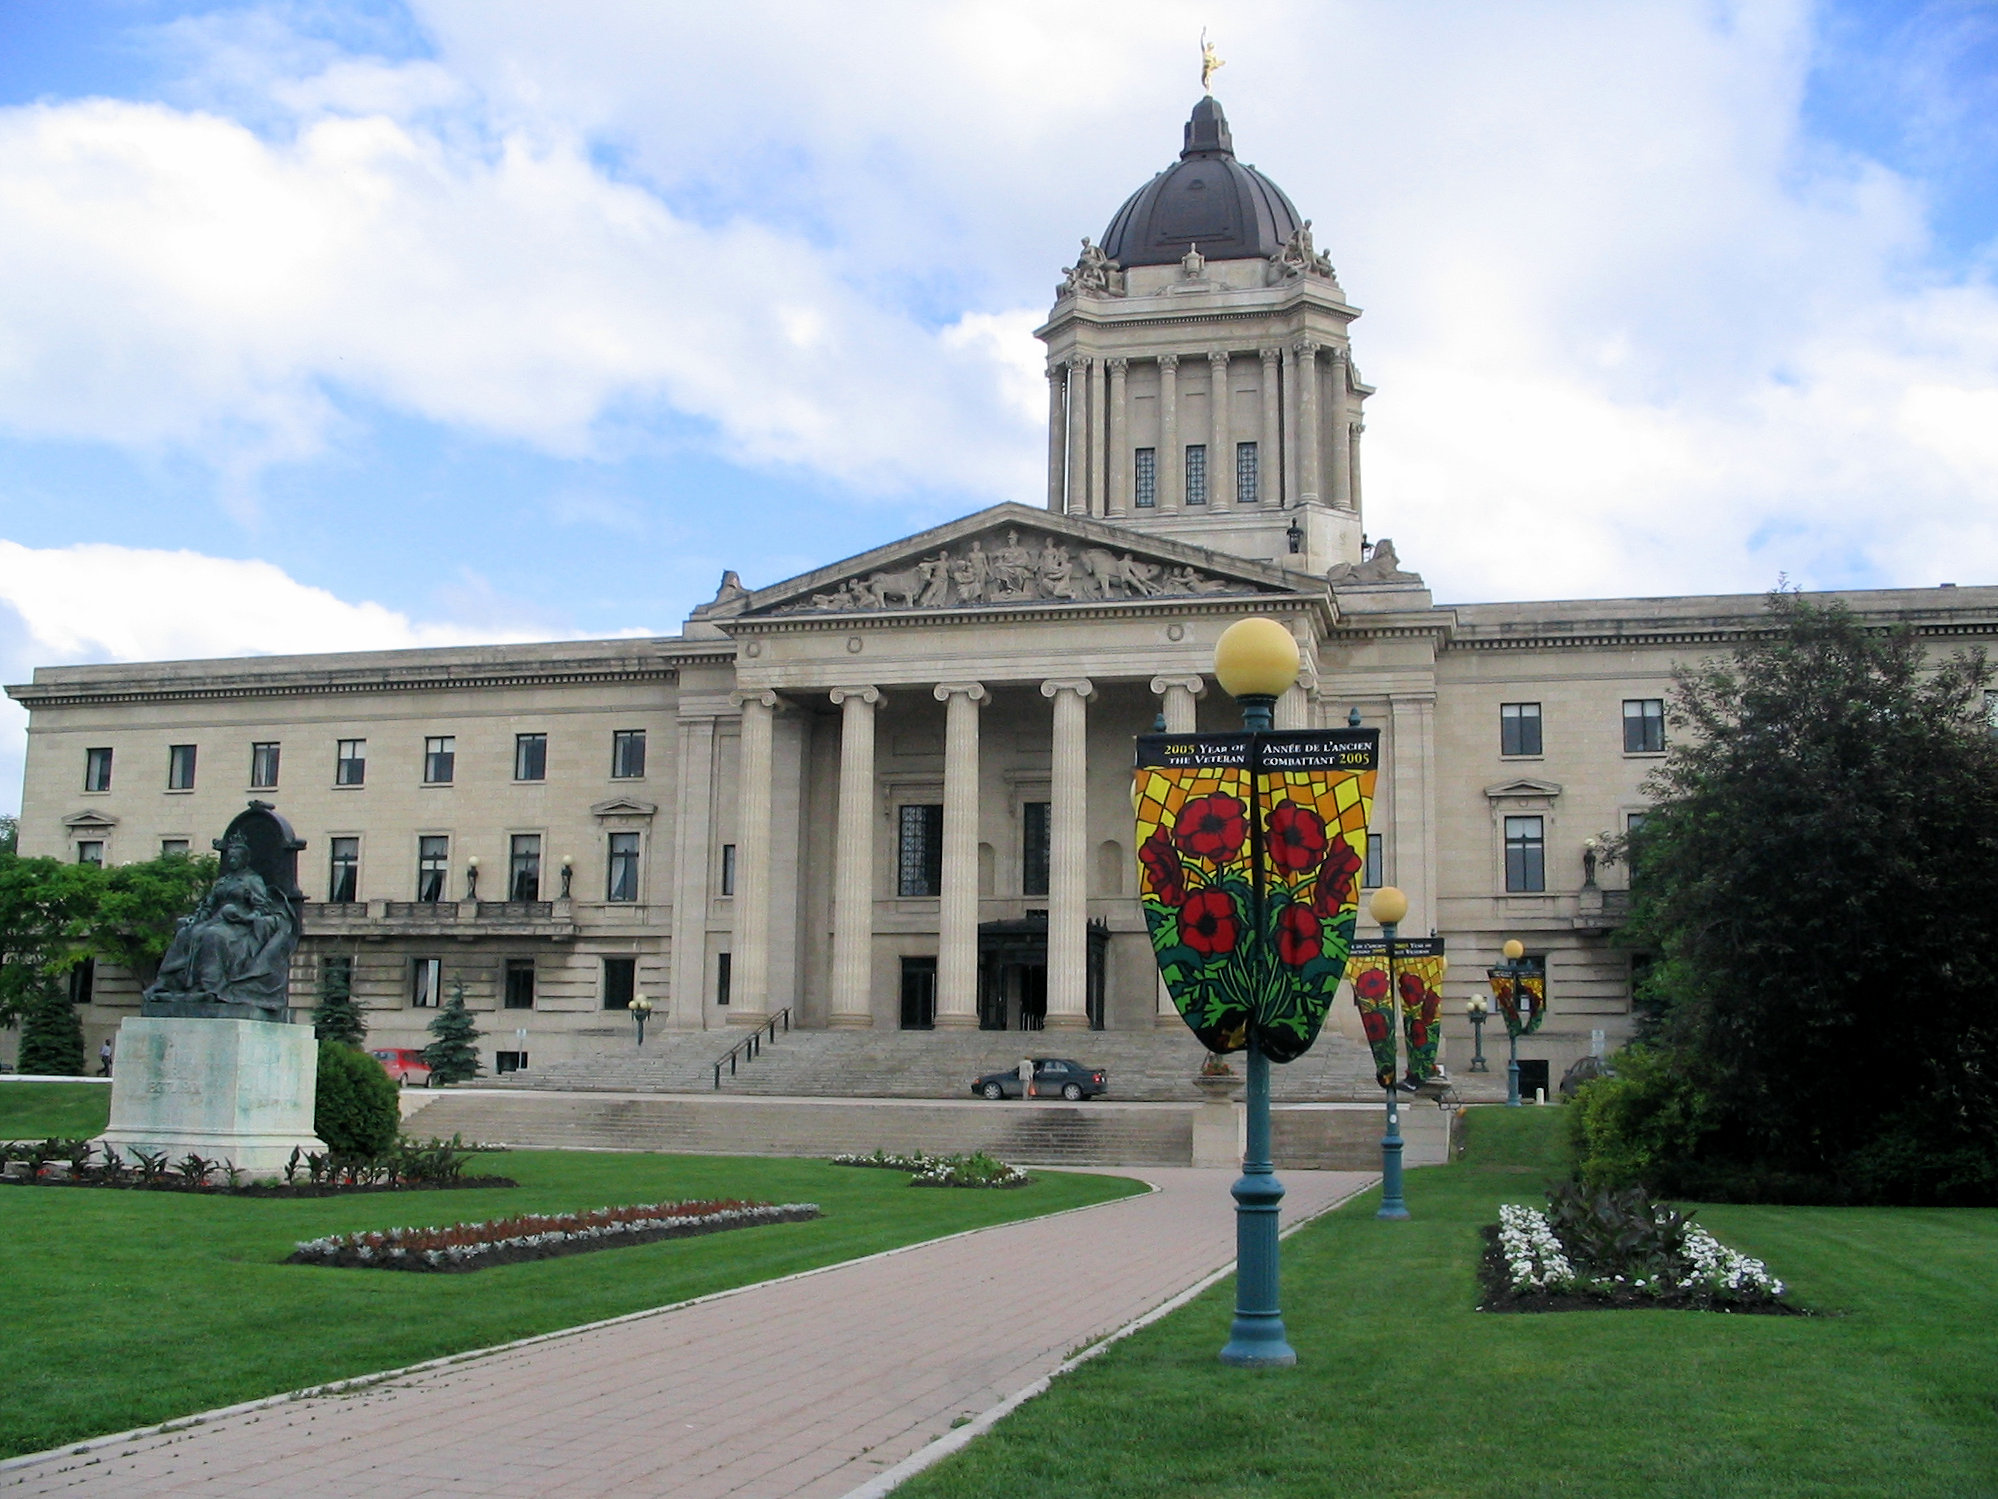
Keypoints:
pixel 1256 661
pixel 1477 1012
pixel 1389 907
pixel 472 878
pixel 641 1011
pixel 1512 969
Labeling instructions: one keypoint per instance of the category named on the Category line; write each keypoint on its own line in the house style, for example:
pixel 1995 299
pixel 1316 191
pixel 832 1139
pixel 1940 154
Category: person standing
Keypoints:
pixel 1026 1077
pixel 104 1058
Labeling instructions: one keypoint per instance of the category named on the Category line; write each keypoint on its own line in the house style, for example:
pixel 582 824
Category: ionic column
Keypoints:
pixel 1342 486
pixel 1097 433
pixel 957 912
pixel 1068 857
pixel 1078 435
pixel 749 979
pixel 853 875
pixel 1117 493
pixel 1353 462
pixel 1057 435
pixel 1172 467
pixel 1307 420
pixel 1290 419
pixel 1180 694
pixel 1221 441
pixel 1269 456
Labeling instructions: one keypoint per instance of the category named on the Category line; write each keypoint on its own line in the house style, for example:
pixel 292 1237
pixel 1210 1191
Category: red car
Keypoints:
pixel 403 1064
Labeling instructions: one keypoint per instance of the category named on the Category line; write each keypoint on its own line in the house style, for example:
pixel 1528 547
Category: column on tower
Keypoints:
pixel 853 872
pixel 1292 487
pixel 1307 420
pixel 1171 467
pixel 1078 435
pixel 1117 494
pixel 1221 459
pixel 1068 855
pixel 1342 487
pixel 749 978
pixel 957 911
pixel 1057 436
pixel 1269 458
pixel 1098 425
pixel 1180 694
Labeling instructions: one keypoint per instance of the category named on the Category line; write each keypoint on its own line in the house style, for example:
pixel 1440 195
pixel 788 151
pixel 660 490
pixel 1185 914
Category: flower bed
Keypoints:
pixel 534 1236
pixel 975 1170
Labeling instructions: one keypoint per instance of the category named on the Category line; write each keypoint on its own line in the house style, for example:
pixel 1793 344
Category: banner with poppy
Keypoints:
pixel 1250 849
pixel 1522 999
pixel 1419 963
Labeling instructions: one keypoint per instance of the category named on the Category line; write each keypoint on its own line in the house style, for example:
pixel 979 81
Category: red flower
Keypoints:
pixel 1212 827
pixel 1375 1024
pixel 1162 864
pixel 1335 879
pixel 1297 837
pixel 1371 984
pixel 1298 940
pixel 1207 922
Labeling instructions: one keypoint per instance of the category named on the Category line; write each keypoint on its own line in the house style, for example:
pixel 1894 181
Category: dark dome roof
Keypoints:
pixel 1206 198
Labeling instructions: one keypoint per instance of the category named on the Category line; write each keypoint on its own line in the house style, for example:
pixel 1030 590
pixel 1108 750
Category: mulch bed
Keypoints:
pixel 254 1189
pixel 1499 1294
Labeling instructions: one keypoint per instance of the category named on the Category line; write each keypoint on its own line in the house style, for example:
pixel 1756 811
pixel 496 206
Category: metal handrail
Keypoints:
pixel 751 1045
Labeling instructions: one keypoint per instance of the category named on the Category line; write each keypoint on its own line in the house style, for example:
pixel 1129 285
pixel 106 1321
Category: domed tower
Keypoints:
pixel 1200 377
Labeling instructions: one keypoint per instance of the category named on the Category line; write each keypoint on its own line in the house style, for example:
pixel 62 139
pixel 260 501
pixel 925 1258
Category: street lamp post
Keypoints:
pixel 1388 907
pixel 1514 951
pixel 1478 1012
pixel 1256 661
pixel 641 1011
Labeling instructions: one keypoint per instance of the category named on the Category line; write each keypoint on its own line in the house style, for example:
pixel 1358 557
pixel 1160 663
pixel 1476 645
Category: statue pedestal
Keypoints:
pixel 239 1091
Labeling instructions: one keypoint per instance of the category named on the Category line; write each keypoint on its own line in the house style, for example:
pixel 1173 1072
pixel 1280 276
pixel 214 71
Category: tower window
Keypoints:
pixel 1196 473
pixel 1146 472
pixel 1247 474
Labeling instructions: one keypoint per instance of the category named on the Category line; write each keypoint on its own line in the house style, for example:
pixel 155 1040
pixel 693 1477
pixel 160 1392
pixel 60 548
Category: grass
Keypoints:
pixel 128 1308
pixel 39 1110
pixel 1402 1389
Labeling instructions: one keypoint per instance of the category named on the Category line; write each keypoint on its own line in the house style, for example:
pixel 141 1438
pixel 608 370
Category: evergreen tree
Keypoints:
pixel 51 1034
pixel 337 1017
pixel 454 1056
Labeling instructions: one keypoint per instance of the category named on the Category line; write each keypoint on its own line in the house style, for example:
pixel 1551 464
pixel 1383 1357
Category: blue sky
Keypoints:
pixel 335 325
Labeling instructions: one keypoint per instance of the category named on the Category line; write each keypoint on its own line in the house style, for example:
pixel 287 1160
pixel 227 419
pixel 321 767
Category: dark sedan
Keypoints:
pixel 1052 1075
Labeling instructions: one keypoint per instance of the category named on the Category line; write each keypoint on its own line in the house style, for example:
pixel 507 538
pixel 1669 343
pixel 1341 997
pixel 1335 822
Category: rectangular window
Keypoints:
pixel 628 754
pixel 620 982
pixel 1519 728
pixel 1196 473
pixel 523 880
pixel 440 759
pixel 426 984
pixel 180 767
pixel 623 883
pixel 1643 725
pixel 433 866
pixel 919 994
pixel 728 869
pixel 97 770
pixel 1034 848
pixel 724 976
pixel 520 983
pixel 83 982
pixel 919 867
pixel 344 876
pixel 173 848
pixel 90 851
pixel 264 765
pixel 350 763
pixel 1248 473
pixel 530 757
pixel 1145 478
pixel 1525 854
pixel 1372 877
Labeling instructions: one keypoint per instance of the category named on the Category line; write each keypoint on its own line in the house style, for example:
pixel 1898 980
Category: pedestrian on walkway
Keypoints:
pixel 104 1058
pixel 1026 1077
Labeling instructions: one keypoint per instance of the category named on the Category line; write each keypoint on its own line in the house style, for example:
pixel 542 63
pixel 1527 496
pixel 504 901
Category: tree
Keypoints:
pixel 51 1034
pixel 137 909
pixel 41 901
pixel 1820 877
pixel 337 1017
pixel 454 1056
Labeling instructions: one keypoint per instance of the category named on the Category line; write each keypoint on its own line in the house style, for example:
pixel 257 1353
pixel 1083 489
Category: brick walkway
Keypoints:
pixel 810 1386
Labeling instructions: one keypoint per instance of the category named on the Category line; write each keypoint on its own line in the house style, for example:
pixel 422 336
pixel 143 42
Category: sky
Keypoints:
pixel 347 324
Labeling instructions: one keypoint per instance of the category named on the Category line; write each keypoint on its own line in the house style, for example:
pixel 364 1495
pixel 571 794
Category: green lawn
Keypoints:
pixel 1403 1390
pixel 39 1110
pixel 125 1308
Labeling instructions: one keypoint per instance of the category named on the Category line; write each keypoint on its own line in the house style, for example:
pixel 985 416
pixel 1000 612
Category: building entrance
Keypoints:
pixel 1013 973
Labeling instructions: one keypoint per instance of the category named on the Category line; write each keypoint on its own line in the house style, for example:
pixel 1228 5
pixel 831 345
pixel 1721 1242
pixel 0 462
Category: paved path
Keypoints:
pixel 810 1386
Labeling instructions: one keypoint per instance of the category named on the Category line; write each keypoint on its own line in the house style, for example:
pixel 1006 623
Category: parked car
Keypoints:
pixel 403 1064
pixel 1052 1075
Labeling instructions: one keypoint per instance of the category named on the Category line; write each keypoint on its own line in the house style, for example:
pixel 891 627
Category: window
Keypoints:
pixel 919 994
pixel 628 755
pixel 440 759
pixel 620 982
pixel 426 983
pixel 728 869
pixel 173 848
pixel 919 869
pixel 350 763
pixel 1525 854
pixel 1196 473
pixel 530 757
pixel 1371 877
pixel 1247 473
pixel 524 868
pixel 724 976
pixel 180 767
pixel 1034 848
pixel 433 866
pixel 90 851
pixel 264 765
pixel 509 1061
pixel 1643 725
pixel 520 983
pixel 97 770
pixel 1519 728
pixel 623 884
pixel 1145 478
pixel 344 875
pixel 83 981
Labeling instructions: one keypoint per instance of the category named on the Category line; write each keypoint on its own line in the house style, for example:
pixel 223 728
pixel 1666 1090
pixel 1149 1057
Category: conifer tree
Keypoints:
pixel 51 1035
pixel 454 1056
pixel 337 1017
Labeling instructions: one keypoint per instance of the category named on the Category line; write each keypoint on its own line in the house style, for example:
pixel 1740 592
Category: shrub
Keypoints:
pixel 355 1111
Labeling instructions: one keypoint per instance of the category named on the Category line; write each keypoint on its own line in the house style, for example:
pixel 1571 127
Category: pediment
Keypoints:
pixel 1523 786
pixel 1010 557
pixel 624 806
pixel 89 820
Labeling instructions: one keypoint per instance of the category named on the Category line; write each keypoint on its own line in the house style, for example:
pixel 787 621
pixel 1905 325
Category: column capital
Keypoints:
pixel 945 691
pixel 1195 685
pixel 1117 366
pixel 1082 687
pixel 1168 361
pixel 741 697
pixel 869 695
